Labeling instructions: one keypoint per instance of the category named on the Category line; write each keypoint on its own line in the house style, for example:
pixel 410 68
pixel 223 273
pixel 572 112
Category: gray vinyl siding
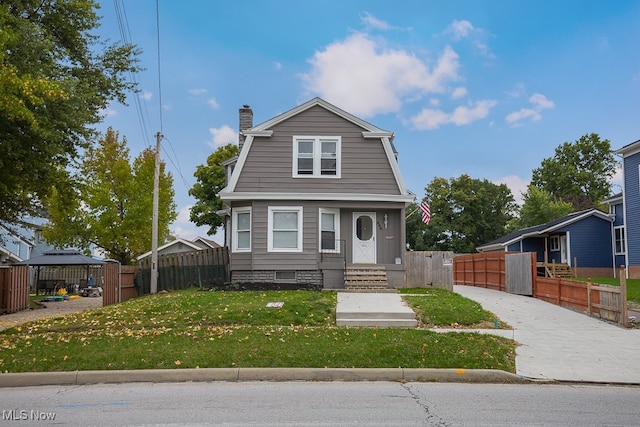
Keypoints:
pixel 632 206
pixel 389 244
pixel 364 170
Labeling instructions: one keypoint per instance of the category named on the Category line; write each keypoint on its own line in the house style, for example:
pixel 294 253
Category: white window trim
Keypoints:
pixel 336 223
pixel 554 247
pixel 317 156
pixel 234 224
pixel 273 209
pixel 624 240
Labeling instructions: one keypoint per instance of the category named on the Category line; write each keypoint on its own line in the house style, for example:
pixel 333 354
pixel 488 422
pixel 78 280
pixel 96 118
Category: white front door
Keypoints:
pixel 364 237
pixel 563 249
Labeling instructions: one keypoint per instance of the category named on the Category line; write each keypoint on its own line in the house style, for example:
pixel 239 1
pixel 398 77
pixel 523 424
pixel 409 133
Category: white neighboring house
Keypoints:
pixel 182 245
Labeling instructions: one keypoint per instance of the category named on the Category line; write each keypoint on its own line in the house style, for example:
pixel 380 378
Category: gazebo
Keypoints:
pixel 60 258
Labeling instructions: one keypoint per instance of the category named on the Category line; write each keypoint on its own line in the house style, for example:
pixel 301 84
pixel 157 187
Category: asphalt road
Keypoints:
pixel 321 403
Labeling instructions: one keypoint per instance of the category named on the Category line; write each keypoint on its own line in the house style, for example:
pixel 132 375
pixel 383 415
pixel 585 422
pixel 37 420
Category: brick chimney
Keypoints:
pixel 246 122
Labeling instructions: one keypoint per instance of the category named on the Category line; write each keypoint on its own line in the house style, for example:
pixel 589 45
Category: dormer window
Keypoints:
pixel 316 156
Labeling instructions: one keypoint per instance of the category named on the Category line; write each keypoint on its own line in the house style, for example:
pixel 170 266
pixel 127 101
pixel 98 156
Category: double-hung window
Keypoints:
pixel 555 243
pixel 619 240
pixel 316 156
pixel 329 230
pixel 242 229
pixel 285 229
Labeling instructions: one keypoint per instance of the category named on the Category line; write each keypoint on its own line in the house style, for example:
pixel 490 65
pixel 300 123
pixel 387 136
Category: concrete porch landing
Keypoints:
pixel 384 310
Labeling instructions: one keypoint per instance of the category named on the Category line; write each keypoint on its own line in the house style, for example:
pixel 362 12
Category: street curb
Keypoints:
pixel 25 379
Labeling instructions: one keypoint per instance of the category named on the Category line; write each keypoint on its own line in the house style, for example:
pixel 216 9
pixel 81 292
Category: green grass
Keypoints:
pixel 190 329
pixel 633 286
pixel 441 307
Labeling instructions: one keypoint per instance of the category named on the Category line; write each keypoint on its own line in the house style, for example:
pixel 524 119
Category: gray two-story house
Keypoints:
pixel 315 193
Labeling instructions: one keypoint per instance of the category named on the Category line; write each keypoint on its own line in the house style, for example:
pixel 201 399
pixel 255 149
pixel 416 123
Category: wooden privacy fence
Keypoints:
pixel 604 301
pixel 202 268
pixel 486 270
pixel 515 272
pixel 14 288
pixel 429 268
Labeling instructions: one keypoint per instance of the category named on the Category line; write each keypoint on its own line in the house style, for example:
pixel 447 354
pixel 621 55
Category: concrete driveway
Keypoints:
pixel 561 344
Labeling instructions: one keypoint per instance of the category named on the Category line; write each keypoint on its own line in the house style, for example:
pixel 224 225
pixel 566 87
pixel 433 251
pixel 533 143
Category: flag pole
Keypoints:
pixel 416 210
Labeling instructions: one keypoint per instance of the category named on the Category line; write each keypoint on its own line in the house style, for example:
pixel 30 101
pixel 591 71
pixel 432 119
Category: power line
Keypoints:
pixel 175 164
pixel 141 106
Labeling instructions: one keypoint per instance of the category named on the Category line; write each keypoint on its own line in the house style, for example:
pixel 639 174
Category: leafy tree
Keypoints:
pixel 56 78
pixel 210 179
pixel 579 173
pixel 539 207
pixel 112 206
pixel 465 213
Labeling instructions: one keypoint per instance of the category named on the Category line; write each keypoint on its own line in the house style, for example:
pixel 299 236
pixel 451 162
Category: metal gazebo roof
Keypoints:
pixel 61 258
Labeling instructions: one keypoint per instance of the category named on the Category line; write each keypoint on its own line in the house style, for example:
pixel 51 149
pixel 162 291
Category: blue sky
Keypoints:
pixel 484 88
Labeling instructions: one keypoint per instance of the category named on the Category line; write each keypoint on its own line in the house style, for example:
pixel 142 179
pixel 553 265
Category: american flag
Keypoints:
pixel 426 212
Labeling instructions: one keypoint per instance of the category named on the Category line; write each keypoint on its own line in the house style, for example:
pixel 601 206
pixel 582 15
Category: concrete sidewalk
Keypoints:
pixel 561 344
pixel 386 310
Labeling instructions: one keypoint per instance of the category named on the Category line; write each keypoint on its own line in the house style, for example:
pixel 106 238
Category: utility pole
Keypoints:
pixel 154 229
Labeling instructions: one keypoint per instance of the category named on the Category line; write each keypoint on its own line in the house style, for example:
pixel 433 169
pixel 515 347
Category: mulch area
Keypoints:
pixel 49 309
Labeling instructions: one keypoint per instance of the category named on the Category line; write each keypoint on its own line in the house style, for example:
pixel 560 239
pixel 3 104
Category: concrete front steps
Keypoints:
pixel 383 310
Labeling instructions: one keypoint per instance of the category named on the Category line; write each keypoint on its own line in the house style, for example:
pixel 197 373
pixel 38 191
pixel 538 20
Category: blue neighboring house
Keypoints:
pixel 626 209
pixel 580 240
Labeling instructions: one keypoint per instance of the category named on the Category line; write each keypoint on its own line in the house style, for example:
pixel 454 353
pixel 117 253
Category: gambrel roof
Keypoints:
pixel 369 131
pixel 542 229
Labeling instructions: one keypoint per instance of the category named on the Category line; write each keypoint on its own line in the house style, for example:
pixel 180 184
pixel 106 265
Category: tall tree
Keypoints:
pixel 210 179
pixel 112 206
pixel 56 77
pixel 539 207
pixel 465 213
pixel 579 173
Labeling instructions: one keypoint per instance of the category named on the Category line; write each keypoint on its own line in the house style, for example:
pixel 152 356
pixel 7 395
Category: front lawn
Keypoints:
pixel 443 308
pixel 191 329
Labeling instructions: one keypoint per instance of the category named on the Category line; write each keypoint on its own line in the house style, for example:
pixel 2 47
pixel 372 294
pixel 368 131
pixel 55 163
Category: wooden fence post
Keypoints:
pixel 589 296
pixel 624 316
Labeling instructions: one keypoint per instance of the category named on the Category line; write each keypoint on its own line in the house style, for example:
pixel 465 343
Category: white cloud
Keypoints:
pixel 197 92
pixel 429 118
pixel 213 103
pixel 515 117
pixel 539 102
pixel 516 184
pixel 459 92
pixel 184 215
pixel 223 135
pixel 372 22
pixel 465 30
pixel 459 29
pixel 146 95
pixel 365 78
pixel 183 228
pixel 277 66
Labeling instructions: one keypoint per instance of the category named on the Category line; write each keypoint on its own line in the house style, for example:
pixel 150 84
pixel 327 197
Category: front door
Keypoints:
pixel 563 249
pixel 364 237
